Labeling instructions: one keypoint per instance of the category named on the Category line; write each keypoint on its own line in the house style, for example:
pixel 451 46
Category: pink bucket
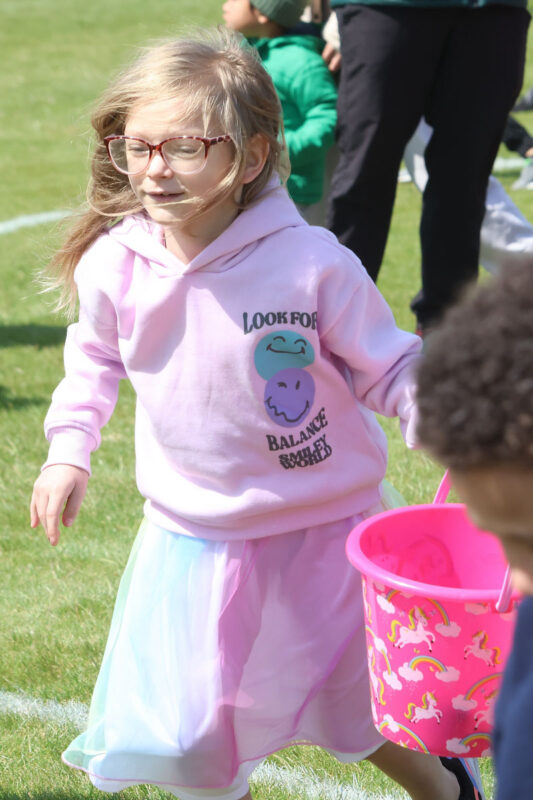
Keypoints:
pixel 436 643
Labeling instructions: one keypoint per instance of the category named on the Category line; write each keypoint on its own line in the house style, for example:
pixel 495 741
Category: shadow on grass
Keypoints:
pixel 38 335
pixel 11 402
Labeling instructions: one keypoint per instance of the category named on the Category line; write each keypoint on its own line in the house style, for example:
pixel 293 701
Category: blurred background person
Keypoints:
pixel 401 61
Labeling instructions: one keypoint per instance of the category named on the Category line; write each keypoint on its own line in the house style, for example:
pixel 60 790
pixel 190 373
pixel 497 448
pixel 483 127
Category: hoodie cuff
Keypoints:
pixel 408 414
pixel 70 446
pixel 409 428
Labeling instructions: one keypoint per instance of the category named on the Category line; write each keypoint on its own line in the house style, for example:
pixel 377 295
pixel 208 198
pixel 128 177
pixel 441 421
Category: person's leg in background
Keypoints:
pixel 506 234
pixel 389 56
pixel 477 83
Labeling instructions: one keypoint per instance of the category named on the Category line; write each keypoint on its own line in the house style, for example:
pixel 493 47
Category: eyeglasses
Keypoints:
pixel 182 154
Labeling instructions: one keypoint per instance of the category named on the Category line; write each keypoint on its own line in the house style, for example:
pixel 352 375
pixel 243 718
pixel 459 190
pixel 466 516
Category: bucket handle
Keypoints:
pixel 504 600
pixel 444 488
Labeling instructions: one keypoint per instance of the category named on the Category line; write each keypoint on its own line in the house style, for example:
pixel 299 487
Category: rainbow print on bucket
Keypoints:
pixel 436 643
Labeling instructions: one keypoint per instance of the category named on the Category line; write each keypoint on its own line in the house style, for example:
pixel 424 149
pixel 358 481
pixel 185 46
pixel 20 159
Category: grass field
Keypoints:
pixel 56 603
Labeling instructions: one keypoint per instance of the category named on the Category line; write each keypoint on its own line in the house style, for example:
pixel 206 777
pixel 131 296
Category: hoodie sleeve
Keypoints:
pixel 85 399
pixel 314 94
pixel 357 325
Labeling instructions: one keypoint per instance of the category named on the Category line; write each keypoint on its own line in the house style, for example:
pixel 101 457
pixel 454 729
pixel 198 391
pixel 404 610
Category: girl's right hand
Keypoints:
pixel 57 492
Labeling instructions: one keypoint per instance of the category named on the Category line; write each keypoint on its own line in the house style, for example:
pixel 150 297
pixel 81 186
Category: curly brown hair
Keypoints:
pixel 475 381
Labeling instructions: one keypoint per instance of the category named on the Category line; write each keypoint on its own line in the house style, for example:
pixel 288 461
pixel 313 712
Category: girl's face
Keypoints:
pixel 161 191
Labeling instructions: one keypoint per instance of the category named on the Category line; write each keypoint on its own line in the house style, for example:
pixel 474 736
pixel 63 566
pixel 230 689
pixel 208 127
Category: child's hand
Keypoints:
pixel 57 492
pixel 332 57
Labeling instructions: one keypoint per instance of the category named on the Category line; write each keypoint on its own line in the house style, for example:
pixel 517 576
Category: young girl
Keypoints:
pixel 259 350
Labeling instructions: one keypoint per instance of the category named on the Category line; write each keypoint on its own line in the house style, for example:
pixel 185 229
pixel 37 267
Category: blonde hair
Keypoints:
pixel 218 78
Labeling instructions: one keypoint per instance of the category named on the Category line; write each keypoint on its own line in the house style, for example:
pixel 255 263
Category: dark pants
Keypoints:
pixel 462 69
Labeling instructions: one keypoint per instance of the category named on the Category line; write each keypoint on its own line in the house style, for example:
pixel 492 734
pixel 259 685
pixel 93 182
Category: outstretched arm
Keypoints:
pixel 57 494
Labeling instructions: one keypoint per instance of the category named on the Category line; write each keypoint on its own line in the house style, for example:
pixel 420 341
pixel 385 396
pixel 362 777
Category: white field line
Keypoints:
pixel 293 781
pixel 71 712
pixel 301 783
pixel 28 220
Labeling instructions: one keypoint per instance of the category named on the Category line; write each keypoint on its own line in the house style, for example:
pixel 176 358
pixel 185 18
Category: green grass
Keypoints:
pixel 56 603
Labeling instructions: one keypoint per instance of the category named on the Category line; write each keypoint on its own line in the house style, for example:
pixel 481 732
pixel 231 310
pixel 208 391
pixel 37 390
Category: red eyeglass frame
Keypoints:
pixel 207 141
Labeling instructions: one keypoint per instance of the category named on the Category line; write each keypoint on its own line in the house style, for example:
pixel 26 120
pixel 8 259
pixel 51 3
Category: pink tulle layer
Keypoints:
pixel 220 653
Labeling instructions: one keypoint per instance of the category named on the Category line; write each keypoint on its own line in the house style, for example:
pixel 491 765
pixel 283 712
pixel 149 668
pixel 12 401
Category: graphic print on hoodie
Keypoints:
pixel 281 358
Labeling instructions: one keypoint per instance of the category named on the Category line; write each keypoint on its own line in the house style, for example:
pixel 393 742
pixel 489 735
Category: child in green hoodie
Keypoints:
pixel 305 87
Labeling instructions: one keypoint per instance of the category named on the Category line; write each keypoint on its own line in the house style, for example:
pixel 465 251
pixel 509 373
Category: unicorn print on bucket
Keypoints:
pixel 428 709
pixel 415 633
pixel 479 649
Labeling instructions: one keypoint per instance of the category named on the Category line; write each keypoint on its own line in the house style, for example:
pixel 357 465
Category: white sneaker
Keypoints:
pixel 525 181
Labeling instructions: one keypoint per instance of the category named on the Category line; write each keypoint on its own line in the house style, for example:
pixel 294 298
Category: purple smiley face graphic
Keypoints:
pixel 289 395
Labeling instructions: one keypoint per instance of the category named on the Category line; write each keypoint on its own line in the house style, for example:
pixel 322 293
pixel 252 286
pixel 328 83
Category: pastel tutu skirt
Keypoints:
pixel 221 653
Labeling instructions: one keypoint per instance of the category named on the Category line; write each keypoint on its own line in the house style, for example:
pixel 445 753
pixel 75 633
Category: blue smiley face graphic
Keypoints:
pixel 282 350
pixel 289 395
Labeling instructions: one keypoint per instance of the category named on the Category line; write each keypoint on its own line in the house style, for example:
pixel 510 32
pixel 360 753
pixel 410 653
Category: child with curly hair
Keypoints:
pixel 475 400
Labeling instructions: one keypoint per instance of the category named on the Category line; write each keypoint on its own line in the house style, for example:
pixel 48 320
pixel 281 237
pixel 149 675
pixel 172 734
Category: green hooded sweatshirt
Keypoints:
pixel 308 98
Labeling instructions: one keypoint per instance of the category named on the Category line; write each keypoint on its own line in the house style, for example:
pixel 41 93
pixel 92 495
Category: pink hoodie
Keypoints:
pixel 257 368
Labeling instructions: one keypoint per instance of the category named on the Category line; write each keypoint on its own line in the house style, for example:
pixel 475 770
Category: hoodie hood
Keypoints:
pixel 271 212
